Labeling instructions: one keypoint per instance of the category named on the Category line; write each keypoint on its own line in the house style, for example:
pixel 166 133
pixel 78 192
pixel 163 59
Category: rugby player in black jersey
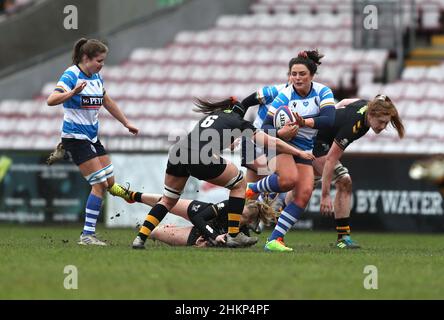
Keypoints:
pixel 205 218
pixel 353 119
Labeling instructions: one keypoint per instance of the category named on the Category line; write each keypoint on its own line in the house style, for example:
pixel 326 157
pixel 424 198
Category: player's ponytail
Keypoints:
pixel 207 107
pixel 310 58
pixel 77 52
pixel 89 47
pixel 261 211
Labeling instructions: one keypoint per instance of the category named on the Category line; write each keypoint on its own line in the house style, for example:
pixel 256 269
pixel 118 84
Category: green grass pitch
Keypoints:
pixel 32 262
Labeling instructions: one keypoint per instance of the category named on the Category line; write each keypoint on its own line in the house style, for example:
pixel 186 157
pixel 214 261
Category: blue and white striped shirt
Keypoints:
pixel 320 96
pixel 81 111
pixel 266 96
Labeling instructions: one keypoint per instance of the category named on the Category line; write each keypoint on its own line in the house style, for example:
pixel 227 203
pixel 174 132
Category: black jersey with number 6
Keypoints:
pixel 350 124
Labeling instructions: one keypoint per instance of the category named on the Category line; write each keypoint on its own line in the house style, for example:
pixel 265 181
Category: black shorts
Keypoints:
pixel 194 235
pixel 81 151
pixel 299 160
pixel 303 161
pixel 199 171
pixel 250 151
pixel 321 148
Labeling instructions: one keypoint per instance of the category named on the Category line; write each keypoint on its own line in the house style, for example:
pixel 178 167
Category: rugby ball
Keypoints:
pixel 282 116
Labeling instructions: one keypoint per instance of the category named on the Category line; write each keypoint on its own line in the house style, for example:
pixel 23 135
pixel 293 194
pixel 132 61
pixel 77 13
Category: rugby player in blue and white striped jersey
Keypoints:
pixel 81 91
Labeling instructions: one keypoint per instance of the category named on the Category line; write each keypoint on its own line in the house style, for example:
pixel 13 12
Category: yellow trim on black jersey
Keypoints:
pixel 357 126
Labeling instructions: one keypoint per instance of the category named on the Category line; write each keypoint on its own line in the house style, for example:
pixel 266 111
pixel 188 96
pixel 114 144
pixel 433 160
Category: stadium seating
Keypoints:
pixel 155 87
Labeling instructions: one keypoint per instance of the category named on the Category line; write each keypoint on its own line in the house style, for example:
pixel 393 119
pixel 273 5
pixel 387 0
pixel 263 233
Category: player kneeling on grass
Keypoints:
pixel 205 217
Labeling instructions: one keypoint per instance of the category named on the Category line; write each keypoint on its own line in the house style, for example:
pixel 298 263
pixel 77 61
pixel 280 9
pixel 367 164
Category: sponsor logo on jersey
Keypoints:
pixel 92 102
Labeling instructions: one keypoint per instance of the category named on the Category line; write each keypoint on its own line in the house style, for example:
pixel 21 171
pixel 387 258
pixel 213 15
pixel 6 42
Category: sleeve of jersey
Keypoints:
pixel 279 101
pixel 67 82
pixel 344 137
pixel 248 130
pixel 267 94
pixel 200 219
pixel 326 116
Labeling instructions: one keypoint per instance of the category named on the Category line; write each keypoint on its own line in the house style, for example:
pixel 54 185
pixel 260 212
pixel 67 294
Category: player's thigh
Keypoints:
pixel 304 185
pixel 173 189
pixel 181 208
pixel 90 166
pixel 230 176
pixel 172 235
pixel 284 164
pixel 318 165
pixel 106 161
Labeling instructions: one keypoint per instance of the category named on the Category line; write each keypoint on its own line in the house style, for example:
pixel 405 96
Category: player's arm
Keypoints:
pixel 200 221
pixel 61 94
pixel 288 131
pixel 263 139
pixel 264 95
pixel 327 113
pixel 325 119
pixel 111 106
pixel 185 208
pixel 332 159
pixel 251 100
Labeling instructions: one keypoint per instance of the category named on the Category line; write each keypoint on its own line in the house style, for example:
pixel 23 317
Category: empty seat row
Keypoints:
pixel 153 62
pixel 309 38
pixel 424 74
pixel 404 91
pixel 303 22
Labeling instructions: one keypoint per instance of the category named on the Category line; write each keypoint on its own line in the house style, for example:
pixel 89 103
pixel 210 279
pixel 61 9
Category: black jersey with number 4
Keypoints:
pixel 350 125
pixel 217 131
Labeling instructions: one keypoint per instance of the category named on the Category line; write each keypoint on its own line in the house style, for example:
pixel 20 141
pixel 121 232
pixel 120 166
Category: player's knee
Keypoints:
pixel 100 188
pixel 154 234
pixel 287 181
pixel 344 184
pixel 168 203
pixel 237 182
pixel 241 185
pixel 303 194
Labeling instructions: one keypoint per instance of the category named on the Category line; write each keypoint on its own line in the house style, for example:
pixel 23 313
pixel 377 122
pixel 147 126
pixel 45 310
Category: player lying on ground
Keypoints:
pixel 204 216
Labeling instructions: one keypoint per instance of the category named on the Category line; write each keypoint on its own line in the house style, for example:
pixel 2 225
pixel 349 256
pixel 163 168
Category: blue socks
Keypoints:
pixel 267 184
pixel 286 220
